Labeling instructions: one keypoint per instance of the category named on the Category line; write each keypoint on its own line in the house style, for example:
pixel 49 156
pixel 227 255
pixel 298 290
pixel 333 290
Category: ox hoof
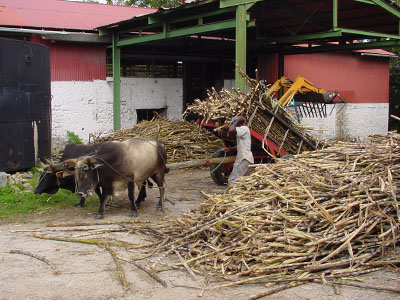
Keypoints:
pixel 99 216
pixel 160 209
pixel 134 214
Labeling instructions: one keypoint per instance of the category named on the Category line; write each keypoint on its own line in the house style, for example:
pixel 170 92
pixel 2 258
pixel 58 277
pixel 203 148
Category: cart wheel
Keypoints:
pixel 220 172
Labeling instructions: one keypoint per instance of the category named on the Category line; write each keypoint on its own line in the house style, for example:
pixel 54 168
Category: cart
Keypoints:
pixel 264 151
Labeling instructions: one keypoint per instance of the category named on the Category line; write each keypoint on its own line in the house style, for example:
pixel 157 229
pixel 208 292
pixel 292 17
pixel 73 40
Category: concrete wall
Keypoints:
pixel 351 121
pixel 86 107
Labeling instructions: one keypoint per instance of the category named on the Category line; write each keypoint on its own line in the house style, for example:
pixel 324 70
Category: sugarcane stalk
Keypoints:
pixel 92 242
pixel 121 272
pixel 55 271
pixel 275 290
pixel 151 273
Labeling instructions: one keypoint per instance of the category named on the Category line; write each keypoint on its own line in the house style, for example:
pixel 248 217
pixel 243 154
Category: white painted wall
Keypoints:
pixel 86 108
pixel 351 121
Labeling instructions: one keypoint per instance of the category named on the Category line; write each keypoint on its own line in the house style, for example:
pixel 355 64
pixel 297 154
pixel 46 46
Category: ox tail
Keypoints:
pixel 166 170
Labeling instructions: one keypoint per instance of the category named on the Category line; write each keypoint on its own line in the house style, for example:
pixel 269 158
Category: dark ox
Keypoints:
pixel 49 182
pixel 118 165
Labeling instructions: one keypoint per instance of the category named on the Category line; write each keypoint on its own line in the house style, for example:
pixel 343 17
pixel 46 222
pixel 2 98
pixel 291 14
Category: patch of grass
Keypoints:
pixel 15 204
pixel 73 138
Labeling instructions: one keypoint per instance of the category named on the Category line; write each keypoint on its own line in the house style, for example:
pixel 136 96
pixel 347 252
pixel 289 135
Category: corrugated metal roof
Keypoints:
pixel 61 14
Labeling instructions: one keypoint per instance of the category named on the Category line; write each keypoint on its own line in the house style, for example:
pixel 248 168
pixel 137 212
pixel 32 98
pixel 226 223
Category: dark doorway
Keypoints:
pixel 148 114
pixel 25 107
pixel 198 77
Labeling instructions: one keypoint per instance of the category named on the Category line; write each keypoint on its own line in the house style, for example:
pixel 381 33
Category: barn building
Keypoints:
pixel 81 94
pixel 162 60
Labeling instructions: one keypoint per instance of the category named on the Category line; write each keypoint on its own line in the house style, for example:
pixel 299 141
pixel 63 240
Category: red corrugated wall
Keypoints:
pixel 359 79
pixel 75 61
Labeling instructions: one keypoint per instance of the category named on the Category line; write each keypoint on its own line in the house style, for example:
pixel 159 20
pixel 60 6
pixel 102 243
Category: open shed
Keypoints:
pixel 247 31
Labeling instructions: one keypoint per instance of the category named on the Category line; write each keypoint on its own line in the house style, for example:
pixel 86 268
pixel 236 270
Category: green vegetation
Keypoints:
pixel 73 138
pixel 22 201
pixel 145 3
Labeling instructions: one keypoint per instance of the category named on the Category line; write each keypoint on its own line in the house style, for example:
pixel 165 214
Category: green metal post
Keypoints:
pixel 241 14
pixel 116 52
pixel 335 14
pixel 281 70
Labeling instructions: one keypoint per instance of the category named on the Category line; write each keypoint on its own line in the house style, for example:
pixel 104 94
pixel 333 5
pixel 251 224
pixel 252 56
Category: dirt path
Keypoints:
pixel 89 272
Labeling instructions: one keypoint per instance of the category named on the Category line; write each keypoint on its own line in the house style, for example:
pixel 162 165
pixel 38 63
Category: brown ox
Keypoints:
pixel 118 165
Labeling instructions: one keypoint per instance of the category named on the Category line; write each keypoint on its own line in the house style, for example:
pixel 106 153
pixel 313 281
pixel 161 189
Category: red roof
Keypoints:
pixel 61 14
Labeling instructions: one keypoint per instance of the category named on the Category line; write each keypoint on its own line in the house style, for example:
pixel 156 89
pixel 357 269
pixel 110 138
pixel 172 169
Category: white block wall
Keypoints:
pixel 86 108
pixel 351 121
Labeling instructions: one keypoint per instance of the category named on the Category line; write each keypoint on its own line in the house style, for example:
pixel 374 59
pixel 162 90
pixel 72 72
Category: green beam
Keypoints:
pixel 158 20
pixel 335 14
pixel 387 7
pixel 240 56
pixel 103 32
pixel 365 1
pixel 155 22
pixel 369 33
pixel 199 29
pixel 305 37
pixel 116 53
pixel 281 70
pixel 229 3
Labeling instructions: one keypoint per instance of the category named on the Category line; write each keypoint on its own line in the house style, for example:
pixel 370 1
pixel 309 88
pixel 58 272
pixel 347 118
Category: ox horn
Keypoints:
pixel 55 167
pixel 41 164
pixel 50 163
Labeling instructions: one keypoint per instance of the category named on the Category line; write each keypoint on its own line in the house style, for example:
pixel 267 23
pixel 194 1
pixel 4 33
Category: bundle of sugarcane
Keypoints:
pixel 270 120
pixel 332 213
pixel 183 140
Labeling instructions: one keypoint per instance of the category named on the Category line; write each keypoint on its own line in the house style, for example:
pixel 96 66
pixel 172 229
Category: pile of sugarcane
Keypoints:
pixel 324 214
pixel 272 121
pixel 183 140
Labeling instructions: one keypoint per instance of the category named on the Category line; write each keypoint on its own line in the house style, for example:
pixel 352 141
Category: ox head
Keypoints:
pixel 54 177
pixel 86 175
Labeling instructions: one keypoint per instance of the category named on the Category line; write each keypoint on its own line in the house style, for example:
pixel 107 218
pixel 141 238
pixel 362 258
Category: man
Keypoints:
pixel 244 156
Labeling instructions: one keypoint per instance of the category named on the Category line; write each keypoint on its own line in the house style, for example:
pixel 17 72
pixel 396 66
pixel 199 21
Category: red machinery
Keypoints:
pixel 263 151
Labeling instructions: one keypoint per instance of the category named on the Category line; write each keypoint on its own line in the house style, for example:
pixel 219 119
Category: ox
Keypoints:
pixel 49 182
pixel 120 164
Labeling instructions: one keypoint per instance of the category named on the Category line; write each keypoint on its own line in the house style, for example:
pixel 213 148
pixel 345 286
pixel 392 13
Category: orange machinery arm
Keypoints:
pixel 300 85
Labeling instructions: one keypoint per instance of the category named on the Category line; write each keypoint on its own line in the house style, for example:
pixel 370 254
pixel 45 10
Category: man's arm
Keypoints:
pixel 232 128
pixel 230 149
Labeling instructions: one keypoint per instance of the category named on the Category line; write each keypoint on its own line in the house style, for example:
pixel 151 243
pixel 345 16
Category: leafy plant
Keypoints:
pixel 73 138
